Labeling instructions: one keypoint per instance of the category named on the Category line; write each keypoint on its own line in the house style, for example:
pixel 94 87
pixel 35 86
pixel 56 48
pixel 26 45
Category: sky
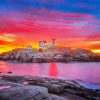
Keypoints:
pixel 73 23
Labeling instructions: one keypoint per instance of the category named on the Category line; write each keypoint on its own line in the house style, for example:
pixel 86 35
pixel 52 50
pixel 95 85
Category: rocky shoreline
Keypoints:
pixel 54 54
pixel 42 88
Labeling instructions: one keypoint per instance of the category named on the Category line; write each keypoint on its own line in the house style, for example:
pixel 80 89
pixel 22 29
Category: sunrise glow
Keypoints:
pixel 27 22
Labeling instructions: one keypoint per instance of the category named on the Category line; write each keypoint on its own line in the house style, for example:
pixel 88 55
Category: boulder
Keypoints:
pixel 18 91
pixel 50 86
pixel 55 97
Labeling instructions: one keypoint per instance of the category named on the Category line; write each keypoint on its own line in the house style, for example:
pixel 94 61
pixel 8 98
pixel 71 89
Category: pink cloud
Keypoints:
pixel 42 24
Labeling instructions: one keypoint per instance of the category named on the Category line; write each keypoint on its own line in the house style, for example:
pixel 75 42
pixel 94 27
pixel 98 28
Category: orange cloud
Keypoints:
pixel 7 37
pixel 74 30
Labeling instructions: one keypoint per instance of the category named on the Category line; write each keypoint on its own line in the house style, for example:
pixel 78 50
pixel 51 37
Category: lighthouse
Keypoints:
pixel 53 42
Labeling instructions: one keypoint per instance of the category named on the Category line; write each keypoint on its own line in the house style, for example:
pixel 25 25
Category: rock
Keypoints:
pixel 57 86
pixel 55 97
pixel 18 91
pixel 52 54
pixel 83 92
pixel 25 93
pixel 23 55
pixel 13 78
pixel 9 72
pixel 53 86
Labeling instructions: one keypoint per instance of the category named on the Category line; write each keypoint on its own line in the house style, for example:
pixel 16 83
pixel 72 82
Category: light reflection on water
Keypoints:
pixel 4 87
pixel 89 72
pixel 3 67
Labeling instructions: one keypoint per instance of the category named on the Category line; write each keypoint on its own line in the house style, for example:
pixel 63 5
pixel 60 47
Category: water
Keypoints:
pixel 87 73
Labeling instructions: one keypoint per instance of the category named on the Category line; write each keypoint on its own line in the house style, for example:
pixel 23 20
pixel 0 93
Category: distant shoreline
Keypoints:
pixel 52 54
pixel 11 61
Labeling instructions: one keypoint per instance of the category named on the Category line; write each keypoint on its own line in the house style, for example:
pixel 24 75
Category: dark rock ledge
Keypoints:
pixel 41 88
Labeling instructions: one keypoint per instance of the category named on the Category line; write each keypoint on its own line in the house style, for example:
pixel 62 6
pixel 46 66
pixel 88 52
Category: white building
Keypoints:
pixel 43 44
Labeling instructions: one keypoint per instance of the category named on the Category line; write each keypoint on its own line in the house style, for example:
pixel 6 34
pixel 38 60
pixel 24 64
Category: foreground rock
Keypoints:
pixel 25 92
pixel 67 90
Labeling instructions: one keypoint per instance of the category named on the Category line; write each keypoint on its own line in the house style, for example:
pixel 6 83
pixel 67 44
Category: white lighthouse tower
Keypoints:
pixel 53 42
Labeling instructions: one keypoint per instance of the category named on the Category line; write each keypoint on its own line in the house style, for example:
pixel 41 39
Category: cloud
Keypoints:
pixel 47 24
pixel 27 21
pixel 7 37
pixel 37 21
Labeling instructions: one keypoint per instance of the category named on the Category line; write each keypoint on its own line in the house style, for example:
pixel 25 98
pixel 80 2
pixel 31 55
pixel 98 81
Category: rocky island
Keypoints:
pixel 51 54
pixel 42 88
